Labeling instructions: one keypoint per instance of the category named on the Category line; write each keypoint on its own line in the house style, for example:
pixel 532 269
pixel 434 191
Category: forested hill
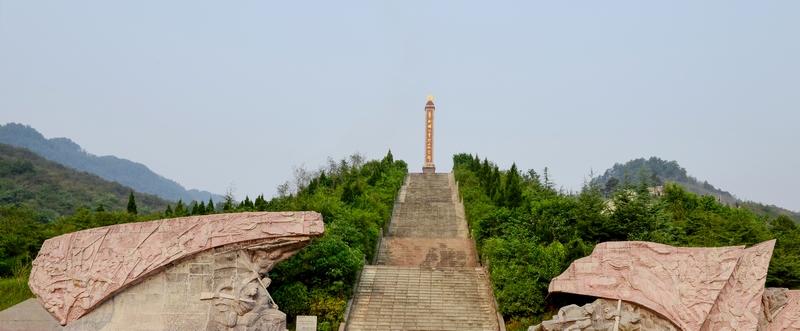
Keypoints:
pixel 126 172
pixel 657 172
pixel 31 182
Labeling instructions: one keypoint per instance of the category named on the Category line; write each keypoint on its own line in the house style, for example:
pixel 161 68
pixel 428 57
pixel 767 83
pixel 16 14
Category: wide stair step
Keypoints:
pixel 428 220
pixel 409 298
pixel 427 253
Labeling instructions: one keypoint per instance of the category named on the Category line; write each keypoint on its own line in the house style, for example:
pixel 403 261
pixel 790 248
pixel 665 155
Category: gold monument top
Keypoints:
pixel 430 97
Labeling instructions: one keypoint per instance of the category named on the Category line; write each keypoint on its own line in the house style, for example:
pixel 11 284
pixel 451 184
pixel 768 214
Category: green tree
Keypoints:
pixel 610 186
pixel 389 158
pixel 180 209
pixel 513 194
pixel 592 220
pixel 201 208
pixel 132 204
pixel 210 207
pixel 784 268
pixel 462 159
pixel 21 235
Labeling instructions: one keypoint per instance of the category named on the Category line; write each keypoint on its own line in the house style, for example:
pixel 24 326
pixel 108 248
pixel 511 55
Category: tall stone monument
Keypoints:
pixel 428 167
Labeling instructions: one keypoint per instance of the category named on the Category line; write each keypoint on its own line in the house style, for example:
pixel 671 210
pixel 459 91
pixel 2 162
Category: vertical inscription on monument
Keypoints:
pixel 429 167
pixel 429 140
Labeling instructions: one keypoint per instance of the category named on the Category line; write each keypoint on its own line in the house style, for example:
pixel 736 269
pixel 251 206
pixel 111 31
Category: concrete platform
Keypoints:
pixel 28 315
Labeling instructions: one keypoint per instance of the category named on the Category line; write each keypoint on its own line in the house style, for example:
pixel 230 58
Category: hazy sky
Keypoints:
pixel 211 93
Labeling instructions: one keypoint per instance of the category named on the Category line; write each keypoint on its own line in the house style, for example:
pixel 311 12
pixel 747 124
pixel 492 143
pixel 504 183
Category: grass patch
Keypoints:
pixel 13 291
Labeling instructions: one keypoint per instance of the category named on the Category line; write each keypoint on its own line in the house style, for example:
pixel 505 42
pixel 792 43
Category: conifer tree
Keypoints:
pixel 389 158
pixel 100 208
pixel 132 205
pixel 325 180
pixel 179 209
pixel 513 191
pixel 210 207
pixel 261 203
pixel 201 209
pixel 168 212
pixel 484 173
pixel 494 187
pixel 475 165
pixel 246 204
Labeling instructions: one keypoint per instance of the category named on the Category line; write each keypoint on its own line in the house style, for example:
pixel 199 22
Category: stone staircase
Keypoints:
pixel 426 275
pixel 428 207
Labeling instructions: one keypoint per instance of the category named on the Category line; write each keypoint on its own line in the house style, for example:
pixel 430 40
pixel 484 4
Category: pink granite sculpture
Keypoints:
pixel 786 317
pixel 695 288
pixel 75 272
pixel 739 304
pixel 680 284
pixel 602 315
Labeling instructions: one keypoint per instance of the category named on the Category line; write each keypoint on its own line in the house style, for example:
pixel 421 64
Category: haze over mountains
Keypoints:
pixel 142 179
pixel 31 182
pixel 112 168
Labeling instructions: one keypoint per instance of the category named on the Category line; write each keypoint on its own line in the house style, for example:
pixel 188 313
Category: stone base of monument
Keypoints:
pixel 428 168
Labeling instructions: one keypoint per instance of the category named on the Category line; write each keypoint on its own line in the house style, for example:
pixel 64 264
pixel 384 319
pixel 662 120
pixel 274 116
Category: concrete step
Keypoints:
pixel 428 220
pixel 427 252
pixel 429 188
pixel 408 298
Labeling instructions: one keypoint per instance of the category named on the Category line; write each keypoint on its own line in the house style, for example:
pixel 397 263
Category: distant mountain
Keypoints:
pixel 657 172
pixel 29 181
pixel 125 172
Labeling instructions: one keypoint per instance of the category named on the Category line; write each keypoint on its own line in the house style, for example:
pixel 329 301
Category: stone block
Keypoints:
pixel 200 283
pixel 200 268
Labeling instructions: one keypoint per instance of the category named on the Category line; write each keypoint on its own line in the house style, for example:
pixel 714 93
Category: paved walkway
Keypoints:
pixel 426 276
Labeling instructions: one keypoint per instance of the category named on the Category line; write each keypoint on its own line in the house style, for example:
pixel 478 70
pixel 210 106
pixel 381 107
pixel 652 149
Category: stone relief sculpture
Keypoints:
pixel 690 289
pixel 241 299
pixel 678 283
pixel 76 272
pixel 603 315
pixel 773 301
pixel 739 304
pixel 783 308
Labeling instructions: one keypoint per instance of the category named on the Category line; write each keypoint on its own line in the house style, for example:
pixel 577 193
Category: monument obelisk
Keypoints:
pixel 428 167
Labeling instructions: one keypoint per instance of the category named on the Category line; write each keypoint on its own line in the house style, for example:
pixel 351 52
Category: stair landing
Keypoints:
pixel 408 298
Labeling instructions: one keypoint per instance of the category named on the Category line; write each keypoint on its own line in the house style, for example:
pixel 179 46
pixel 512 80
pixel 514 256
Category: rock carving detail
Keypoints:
pixel 695 289
pixel 680 284
pixel 75 272
pixel 739 304
pixel 785 310
pixel 241 299
pixel 603 315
